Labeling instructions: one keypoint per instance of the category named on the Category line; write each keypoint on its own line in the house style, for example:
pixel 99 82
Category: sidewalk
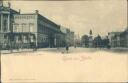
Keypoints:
pixel 60 49
pixel 16 51
pixel 31 50
pixel 120 48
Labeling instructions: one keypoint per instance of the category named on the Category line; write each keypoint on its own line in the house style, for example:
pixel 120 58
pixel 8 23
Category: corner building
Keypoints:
pixel 6 25
pixel 27 30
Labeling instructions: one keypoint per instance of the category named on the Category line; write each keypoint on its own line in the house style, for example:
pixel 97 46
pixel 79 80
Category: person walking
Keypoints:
pixel 67 48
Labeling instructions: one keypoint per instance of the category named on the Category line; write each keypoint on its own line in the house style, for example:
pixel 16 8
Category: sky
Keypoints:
pixel 101 16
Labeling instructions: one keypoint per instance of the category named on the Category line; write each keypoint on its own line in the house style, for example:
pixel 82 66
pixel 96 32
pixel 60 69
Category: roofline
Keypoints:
pixel 49 20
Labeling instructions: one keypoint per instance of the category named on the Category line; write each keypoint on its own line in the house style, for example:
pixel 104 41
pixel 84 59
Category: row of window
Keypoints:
pixel 23 27
pixel 43 29
pixel 43 38
pixel 25 17
pixel 25 39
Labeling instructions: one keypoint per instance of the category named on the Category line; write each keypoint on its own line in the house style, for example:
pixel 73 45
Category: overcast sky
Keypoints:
pixel 102 16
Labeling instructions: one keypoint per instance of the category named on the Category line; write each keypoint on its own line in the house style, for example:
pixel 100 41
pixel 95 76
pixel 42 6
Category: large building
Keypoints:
pixel 118 39
pixel 6 24
pixel 35 28
pixel 19 30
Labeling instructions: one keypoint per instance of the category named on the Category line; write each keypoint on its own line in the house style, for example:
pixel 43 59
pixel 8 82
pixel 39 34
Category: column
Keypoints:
pixel 8 23
pixel 1 22
pixel 55 40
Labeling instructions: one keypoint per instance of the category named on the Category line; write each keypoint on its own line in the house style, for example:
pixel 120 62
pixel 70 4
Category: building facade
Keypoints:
pixel 85 41
pixel 29 30
pixel 6 24
pixel 124 39
pixel 118 39
pixel 37 30
pixel 114 39
pixel 68 36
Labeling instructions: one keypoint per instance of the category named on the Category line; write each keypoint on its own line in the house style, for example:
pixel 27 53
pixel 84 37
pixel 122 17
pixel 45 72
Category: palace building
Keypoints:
pixel 6 23
pixel 35 28
pixel 19 30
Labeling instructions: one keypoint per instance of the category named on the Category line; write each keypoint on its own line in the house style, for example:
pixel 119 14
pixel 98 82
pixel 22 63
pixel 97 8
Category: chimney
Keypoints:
pixel 36 11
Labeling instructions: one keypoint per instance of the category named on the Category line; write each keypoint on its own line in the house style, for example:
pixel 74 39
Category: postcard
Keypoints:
pixel 45 41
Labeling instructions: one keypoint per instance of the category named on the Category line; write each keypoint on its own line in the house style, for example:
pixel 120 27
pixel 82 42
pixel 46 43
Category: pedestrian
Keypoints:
pixel 67 48
pixel 74 46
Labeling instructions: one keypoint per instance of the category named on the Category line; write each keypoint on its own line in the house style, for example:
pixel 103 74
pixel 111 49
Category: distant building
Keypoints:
pixel 114 39
pixel 85 41
pixel 118 39
pixel 69 36
pixel 97 42
pixel 124 39
pixel 77 40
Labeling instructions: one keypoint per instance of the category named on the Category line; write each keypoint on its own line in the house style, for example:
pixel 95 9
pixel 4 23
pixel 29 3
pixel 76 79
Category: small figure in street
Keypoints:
pixel 67 48
pixel 74 46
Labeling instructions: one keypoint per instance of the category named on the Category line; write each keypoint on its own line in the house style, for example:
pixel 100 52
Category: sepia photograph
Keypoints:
pixel 44 41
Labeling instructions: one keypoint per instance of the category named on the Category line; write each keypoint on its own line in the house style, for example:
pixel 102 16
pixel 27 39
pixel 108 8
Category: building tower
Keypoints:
pixel 90 39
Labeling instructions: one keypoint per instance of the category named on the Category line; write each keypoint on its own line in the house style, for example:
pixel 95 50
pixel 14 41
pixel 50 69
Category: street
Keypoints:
pixel 81 50
pixel 52 64
pixel 71 50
